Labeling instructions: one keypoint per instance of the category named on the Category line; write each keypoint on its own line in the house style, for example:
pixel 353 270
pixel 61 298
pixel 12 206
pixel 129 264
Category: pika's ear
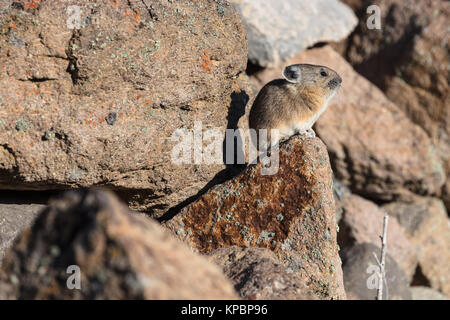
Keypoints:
pixel 292 73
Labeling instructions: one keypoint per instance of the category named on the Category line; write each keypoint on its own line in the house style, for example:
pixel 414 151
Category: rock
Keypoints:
pixel 378 54
pixel 424 293
pixel 428 226
pixel 158 67
pixel 408 59
pixel 257 274
pixel 290 212
pixel 362 222
pixel 374 148
pixel 446 190
pixel 339 191
pixel 120 255
pixel 358 277
pixel 356 4
pixel 14 218
pixel 279 30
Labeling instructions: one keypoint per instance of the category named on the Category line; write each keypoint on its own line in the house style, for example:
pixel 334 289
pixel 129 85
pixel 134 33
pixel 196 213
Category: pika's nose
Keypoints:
pixel 335 82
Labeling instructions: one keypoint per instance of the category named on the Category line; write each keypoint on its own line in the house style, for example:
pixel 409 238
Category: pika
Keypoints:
pixel 292 105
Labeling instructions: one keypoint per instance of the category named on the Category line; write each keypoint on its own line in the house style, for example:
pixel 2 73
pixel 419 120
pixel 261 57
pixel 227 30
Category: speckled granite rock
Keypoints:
pixel 291 212
pixel 279 30
pixel 121 255
pixel 98 105
pixel 257 274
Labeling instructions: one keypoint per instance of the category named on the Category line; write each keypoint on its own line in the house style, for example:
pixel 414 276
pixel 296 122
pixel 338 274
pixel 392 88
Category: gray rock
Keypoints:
pixel 356 262
pixel 14 218
pixel 279 30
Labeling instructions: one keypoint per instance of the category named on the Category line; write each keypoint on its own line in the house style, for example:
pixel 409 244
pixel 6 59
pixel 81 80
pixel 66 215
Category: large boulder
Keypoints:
pixel 375 149
pixel 290 212
pixel 257 274
pixel 119 255
pixel 95 100
pixel 408 59
pixel 428 225
pixel 279 30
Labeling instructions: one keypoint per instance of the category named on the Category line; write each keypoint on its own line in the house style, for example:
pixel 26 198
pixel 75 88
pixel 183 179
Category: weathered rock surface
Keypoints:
pixel 408 59
pixel 374 148
pixel 291 212
pixel 362 222
pixel 425 293
pixel 427 223
pixel 358 278
pixel 98 105
pixel 279 30
pixel 14 218
pixel 121 255
pixel 257 274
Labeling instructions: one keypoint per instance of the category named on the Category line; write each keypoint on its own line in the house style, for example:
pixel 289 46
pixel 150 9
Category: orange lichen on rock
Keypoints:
pixel 33 4
pixel 137 19
pixel 206 64
pixel 116 3
pixel 127 13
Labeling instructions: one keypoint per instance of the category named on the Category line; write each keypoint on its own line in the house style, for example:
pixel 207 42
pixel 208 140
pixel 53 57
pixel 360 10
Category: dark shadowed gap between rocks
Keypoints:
pixel 419 278
pixel 236 110
pixel 253 68
pixel 26 197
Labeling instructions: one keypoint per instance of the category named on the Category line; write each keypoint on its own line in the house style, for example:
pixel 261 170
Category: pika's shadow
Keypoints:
pixel 232 169
pixel 235 149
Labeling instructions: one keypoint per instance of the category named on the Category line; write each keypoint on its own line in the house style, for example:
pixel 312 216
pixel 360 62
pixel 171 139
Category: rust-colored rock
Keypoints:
pixel 257 274
pixel 121 255
pixel 291 212
pixel 362 222
pixel 98 105
pixel 374 148
pixel 428 226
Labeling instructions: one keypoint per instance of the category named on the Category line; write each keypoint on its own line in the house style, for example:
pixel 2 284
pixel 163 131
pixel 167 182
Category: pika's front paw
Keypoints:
pixel 308 133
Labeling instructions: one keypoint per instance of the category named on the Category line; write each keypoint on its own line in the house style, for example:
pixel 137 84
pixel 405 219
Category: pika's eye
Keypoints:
pixel 323 73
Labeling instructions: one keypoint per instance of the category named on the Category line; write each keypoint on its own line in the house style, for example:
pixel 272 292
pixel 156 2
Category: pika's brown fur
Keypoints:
pixel 293 104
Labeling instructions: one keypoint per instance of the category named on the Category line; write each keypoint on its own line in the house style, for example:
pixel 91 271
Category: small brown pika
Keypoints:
pixel 292 105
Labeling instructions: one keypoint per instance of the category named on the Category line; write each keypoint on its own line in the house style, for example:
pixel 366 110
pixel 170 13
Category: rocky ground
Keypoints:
pixel 86 170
